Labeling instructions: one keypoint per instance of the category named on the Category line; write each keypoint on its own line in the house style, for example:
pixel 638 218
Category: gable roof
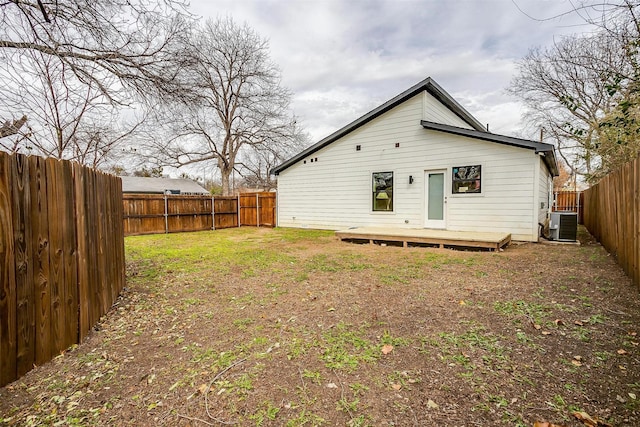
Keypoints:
pixel 547 150
pixel 428 84
pixel 141 185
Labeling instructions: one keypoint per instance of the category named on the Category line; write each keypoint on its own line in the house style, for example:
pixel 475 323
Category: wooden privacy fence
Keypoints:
pixel 569 201
pixel 157 213
pixel 612 215
pixel 61 257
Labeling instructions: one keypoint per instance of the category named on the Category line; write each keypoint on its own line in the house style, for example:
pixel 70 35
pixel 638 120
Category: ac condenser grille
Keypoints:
pixel 568 227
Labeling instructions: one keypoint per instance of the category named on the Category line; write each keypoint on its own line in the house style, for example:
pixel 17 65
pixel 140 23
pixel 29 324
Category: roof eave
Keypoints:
pixel 427 84
pixel 540 147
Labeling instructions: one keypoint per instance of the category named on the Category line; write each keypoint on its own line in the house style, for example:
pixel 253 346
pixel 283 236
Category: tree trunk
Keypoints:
pixel 225 174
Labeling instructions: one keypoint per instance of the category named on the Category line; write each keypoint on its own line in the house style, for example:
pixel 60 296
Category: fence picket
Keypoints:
pixel 25 312
pixel 7 279
pixel 39 217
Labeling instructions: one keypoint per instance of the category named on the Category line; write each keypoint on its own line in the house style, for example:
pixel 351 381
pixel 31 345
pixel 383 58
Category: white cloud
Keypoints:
pixel 343 58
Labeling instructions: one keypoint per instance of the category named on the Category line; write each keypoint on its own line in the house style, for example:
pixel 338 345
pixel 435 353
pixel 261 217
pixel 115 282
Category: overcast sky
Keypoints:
pixel 342 58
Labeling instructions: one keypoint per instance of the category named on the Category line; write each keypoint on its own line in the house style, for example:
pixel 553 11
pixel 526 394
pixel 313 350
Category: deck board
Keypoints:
pixel 441 238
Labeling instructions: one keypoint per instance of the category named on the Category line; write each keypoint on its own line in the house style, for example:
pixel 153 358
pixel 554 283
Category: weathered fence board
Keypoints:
pixel 157 213
pixel 40 263
pixel 611 215
pixel 21 203
pixel 61 257
pixel 7 279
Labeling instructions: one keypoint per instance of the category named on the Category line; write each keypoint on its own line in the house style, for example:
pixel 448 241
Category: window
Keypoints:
pixel 383 191
pixel 466 179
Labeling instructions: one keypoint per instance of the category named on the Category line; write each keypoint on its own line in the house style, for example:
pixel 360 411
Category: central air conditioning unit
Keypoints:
pixel 563 226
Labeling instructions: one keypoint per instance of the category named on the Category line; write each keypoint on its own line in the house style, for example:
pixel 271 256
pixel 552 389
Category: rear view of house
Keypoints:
pixel 419 160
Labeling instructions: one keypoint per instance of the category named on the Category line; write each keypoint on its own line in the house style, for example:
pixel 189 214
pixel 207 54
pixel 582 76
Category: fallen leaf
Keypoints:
pixel 579 358
pixel 579 323
pixel 431 404
pixel 558 322
pixel 622 368
pixel 396 386
pixel 332 385
pixel 462 302
pixel 622 351
pixel 331 309
pixel 546 333
pixel 585 418
pixel 576 363
pixel 387 348
pixel 203 388
pixel 633 333
pixel 536 326
pixel 632 395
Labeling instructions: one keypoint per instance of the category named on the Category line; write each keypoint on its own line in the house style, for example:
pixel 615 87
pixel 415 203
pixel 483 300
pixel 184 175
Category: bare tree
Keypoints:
pixel 68 119
pixel 256 164
pixel 581 92
pixel 138 42
pixel 239 102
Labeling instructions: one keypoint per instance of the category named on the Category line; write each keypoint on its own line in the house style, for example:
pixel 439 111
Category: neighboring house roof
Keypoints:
pixel 136 184
pixel 547 150
pixel 441 95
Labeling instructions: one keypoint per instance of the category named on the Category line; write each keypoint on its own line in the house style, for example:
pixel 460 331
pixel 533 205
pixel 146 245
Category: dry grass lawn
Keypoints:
pixel 277 327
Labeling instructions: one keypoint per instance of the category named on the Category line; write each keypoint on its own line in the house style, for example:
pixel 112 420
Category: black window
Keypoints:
pixel 383 191
pixel 466 179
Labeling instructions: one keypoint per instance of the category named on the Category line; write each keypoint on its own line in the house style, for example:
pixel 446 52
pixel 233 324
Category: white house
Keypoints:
pixel 419 160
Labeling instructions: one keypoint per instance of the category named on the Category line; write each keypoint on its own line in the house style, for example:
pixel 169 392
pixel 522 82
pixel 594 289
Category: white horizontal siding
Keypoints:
pixel 545 186
pixel 435 111
pixel 336 191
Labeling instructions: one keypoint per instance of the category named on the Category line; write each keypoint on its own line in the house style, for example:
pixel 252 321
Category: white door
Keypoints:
pixel 435 199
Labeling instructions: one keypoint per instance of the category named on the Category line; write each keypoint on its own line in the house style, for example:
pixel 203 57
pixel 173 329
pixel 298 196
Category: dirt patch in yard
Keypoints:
pixel 291 327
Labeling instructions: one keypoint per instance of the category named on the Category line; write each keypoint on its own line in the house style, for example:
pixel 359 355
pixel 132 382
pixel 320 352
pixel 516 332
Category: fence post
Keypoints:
pixel 166 214
pixel 257 209
pixel 578 193
pixel 239 210
pixel 213 213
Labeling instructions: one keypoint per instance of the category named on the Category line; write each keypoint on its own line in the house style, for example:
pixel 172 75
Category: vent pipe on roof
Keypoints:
pixel 487 127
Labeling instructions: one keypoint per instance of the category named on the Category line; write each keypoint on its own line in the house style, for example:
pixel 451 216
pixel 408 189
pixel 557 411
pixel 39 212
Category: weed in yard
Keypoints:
pixel 532 311
pixel 343 347
pixel 345 405
pixel 267 411
pixel 358 389
pixel 582 334
pixel 359 421
pixel 597 319
pixel 314 376
pixel 305 418
pixel 242 324
pixel 297 347
pixel 241 386
pixel 390 340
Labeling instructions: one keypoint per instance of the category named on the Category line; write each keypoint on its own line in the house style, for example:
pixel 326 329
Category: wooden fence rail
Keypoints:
pixel 612 215
pixel 157 213
pixel 61 257
pixel 569 201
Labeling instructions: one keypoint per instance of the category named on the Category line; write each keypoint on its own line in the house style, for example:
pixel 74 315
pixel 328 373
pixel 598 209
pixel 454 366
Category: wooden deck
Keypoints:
pixel 440 238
